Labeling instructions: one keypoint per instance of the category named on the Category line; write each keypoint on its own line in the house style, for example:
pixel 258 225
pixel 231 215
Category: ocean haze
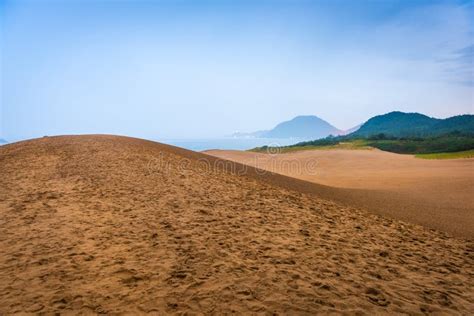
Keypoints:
pixel 230 143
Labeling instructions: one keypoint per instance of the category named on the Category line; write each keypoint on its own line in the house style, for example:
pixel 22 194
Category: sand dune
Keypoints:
pixel 107 224
pixel 436 193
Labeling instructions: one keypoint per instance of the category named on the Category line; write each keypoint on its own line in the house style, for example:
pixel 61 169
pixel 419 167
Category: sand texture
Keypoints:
pixel 436 193
pixel 107 224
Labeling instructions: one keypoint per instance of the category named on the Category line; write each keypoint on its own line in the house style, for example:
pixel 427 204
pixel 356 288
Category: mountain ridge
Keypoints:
pixel 393 124
pixel 402 124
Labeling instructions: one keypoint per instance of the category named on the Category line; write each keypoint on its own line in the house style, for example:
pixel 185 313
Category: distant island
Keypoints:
pixel 304 126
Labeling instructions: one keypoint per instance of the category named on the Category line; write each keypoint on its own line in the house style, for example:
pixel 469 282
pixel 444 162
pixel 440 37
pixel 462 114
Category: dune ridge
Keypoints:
pixel 108 224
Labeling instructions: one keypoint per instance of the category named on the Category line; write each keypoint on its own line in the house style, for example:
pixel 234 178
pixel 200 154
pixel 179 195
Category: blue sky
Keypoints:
pixel 204 69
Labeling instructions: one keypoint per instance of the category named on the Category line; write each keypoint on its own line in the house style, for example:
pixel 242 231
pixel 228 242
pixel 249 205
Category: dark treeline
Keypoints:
pixel 450 142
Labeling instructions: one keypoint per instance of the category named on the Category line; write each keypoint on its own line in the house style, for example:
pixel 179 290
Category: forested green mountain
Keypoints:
pixel 399 124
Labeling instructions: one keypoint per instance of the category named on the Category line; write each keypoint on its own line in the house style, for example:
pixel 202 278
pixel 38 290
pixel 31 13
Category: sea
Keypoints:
pixel 229 143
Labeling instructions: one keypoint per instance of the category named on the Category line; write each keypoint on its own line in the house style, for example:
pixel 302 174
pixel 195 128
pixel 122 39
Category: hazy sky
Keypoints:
pixel 192 69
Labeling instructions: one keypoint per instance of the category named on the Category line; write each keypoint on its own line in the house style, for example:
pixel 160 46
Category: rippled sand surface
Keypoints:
pixel 436 193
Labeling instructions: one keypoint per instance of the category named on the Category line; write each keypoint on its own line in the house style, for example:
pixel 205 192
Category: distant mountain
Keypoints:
pixel 303 127
pixel 401 124
pixel 308 127
pixel 2 141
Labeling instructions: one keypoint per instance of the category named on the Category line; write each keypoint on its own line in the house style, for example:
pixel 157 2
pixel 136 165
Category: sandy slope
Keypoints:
pixel 435 193
pixel 110 224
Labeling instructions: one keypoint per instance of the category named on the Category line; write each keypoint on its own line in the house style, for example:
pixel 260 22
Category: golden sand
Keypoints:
pixel 107 224
pixel 436 193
